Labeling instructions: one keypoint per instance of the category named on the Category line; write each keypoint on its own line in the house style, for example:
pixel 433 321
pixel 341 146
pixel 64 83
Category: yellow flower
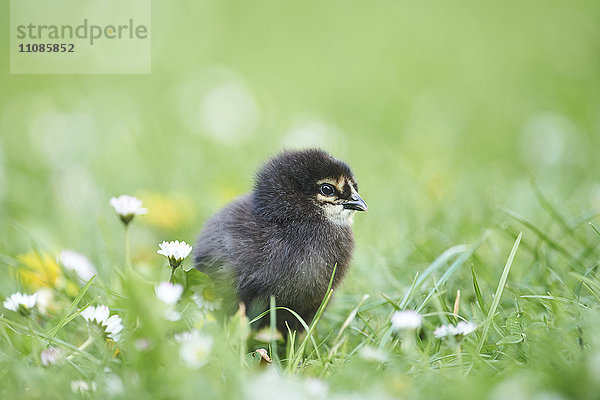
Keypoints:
pixel 38 270
pixel 168 212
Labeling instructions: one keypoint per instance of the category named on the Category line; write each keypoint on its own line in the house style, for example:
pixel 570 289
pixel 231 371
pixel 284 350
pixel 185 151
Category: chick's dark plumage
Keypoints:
pixel 285 237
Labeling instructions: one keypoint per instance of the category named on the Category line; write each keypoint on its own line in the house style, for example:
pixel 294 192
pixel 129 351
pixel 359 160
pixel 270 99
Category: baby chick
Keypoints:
pixel 285 237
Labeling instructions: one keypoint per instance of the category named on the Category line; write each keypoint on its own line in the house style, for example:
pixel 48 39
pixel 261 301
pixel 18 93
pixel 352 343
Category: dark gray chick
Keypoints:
pixel 285 237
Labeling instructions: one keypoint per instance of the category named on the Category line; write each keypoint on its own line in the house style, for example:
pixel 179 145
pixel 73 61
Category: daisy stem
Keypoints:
pixel 171 275
pixel 459 357
pixel 408 342
pixel 273 326
pixel 83 346
pixel 86 344
pixel 127 250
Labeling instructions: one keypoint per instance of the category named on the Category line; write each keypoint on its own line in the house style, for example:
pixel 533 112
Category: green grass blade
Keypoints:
pixel 309 334
pixel 551 242
pixel 438 263
pixel 296 315
pixel 347 322
pixel 54 331
pixel 273 326
pixel 27 331
pixel 478 291
pixel 76 313
pixel 452 269
pixel 594 228
pixel 498 294
pixel 550 209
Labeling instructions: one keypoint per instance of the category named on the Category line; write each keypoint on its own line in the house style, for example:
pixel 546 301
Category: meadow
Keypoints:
pixel 473 131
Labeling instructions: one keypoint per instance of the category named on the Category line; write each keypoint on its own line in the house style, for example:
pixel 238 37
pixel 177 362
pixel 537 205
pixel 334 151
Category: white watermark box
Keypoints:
pixel 80 37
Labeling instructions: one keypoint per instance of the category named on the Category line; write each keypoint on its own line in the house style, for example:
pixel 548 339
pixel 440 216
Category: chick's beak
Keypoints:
pixel 356 203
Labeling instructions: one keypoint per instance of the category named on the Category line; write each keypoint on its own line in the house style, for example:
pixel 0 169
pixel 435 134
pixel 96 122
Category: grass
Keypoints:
pixel 473 134
pixel 536 334
pixel 491 314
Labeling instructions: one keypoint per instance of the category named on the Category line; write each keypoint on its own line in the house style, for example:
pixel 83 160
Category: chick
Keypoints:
pixel 286 236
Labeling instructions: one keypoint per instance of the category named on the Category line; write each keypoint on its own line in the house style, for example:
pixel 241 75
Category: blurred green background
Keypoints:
pixel 446 111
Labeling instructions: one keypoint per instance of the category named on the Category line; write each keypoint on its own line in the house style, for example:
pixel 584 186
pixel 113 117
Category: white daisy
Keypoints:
pixel 50 356
pixel 168 293
pixel 127 207
pixel 99 315
pixel 194 348
pixel 406 320
pixel 204 304
pixel 78 263
pixel 20 302
pixel 175 251
pixel 464 328
pixel 460 330
pixel 444 330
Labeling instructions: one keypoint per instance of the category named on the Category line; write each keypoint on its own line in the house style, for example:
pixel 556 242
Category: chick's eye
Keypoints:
pixel 327 190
